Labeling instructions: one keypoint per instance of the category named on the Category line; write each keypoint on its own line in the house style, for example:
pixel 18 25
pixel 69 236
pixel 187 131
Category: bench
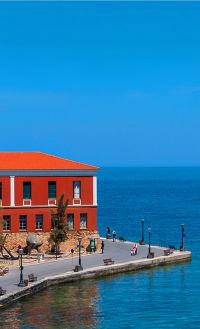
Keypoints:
pixel 167 252
pixel 32 277
pixel 5 270
pixel 108 261
pixel 121 239
pixel 2 291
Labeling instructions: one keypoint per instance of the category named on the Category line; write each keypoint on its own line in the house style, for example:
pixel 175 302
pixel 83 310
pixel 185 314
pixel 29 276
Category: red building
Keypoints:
pixel 32 182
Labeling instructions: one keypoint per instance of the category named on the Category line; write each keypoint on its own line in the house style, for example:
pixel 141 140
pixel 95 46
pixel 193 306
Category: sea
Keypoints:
pixel 163 297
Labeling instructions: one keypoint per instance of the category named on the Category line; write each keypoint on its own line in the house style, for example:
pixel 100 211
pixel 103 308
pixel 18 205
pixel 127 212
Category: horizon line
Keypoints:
pixel 149 166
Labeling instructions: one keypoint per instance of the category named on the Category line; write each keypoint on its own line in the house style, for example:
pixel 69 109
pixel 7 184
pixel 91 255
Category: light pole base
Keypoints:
pixel 78 268
pixel 21 284
pixel 150 255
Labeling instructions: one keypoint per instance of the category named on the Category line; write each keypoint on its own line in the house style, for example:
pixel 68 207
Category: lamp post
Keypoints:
pixel 142 222
pixel 21 281
pixel 79 253
pixel 149 254
pixel 182 237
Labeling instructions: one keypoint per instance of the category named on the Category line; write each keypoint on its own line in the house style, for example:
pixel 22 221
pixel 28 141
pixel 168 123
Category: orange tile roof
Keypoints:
pixel 38 161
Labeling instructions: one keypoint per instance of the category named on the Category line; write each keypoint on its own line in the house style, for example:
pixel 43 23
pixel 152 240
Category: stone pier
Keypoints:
pixel 61 271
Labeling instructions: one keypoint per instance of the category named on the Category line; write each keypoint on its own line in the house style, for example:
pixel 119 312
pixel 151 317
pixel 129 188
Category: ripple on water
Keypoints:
pixel 166 297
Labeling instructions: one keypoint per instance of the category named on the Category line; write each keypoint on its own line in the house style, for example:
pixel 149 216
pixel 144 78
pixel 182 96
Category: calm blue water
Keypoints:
pixel 167 297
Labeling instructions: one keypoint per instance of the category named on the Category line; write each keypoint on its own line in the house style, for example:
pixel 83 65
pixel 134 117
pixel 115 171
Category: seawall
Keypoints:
pixel 94 272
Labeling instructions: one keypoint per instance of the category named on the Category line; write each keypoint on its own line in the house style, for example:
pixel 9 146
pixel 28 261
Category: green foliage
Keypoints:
pixel 59 232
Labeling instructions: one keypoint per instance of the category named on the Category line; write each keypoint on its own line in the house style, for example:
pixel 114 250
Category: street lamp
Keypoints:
pixel 149 254
pixel 79 253
pixel 182 237
pixel 142 222
pixel 21 281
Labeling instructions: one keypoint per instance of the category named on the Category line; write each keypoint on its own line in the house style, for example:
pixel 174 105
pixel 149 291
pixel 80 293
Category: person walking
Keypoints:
pixel 102 247
pixel 108 233
pixel 114 236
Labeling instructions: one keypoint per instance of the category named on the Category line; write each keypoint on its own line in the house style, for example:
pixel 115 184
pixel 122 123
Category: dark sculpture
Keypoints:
pixel 3 249
pixel 32 243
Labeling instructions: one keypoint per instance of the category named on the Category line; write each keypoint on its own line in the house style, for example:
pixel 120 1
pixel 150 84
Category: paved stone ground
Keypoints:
pixel 118 251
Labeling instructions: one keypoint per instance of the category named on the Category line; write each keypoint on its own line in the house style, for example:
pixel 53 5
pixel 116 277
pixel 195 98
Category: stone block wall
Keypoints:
pixel 13 240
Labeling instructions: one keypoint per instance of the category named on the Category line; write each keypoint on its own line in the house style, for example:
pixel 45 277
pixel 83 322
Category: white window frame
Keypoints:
pixel 71 227
pixel 22 228
pixel 39 222
pixel 76 190
pixel 5 223
pixel 83 215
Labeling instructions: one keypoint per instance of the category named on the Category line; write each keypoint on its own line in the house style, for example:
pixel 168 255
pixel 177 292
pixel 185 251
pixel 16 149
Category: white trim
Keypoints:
pixel 47 173
pixel 26 200
pixel 78 200
pixel 12 191
pixel 49 206
pixel 53 202
pixel 95 190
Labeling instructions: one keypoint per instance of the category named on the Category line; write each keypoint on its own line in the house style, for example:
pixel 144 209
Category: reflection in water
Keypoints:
pixel 64 306
pixel 146 299
pixel 161 298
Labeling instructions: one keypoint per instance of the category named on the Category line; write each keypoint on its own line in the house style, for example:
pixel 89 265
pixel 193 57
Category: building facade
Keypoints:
pixel 31 184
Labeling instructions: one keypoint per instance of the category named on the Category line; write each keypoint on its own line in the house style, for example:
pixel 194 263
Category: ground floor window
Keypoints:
pixel 83 220
pixel 70 221
pixel 39 222
pixel 6 223
pixel 23 222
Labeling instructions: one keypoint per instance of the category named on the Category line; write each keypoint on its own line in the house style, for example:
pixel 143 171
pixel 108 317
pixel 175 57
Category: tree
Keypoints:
pixel 60 227
pixel 1 228
pixel 2 238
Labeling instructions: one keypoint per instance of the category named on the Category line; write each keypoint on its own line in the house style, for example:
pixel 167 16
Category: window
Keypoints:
pixel 52 190
pixel 83 221
pixel 39 222
pixel 70 221
pixel 77 190
pixel 27 190
pixel 0 191
pixel 22 222
pixel 6 223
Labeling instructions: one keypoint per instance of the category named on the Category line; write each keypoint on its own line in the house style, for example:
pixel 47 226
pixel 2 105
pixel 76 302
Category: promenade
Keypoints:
pixel 61 270
pixel 118 251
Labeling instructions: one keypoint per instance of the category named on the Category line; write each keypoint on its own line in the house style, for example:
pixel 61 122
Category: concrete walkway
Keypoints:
pixel 118 251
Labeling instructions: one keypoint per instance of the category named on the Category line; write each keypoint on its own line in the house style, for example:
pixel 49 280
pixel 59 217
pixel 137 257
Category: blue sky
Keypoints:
pixel 103 83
